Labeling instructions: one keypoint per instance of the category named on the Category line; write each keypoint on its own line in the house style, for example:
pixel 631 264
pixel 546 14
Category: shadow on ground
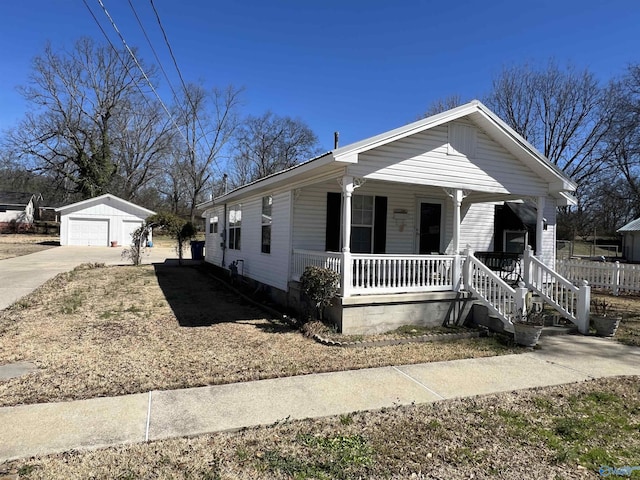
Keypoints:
pixel 197 300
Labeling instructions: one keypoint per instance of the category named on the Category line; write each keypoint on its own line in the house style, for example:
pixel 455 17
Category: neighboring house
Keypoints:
pixel 394 215
pixel 17 209
pixel 631 240
pixel 100 221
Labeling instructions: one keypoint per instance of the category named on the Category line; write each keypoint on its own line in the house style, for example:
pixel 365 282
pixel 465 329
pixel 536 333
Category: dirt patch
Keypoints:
pixel 567 431
pixel 16 245
pixel 117 330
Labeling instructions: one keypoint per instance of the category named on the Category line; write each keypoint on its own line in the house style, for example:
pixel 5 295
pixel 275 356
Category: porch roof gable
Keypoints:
pixel 482 116
pixel 559 184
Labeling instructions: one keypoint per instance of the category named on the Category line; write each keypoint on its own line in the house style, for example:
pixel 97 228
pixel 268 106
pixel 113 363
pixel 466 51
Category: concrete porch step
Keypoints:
pixel 482 317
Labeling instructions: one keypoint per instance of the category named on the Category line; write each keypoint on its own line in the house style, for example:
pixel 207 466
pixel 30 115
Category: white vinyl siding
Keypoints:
pixel 476 226
pixel 423 159
pixel 310 217
pixel 272 269
pixel 214 240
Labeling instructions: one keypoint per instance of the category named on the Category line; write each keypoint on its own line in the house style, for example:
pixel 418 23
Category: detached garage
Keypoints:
pixel 100 221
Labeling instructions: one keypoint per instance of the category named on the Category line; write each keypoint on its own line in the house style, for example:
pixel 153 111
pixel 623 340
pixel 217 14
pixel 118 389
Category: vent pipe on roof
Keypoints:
pixel 224 183
pixel 336 138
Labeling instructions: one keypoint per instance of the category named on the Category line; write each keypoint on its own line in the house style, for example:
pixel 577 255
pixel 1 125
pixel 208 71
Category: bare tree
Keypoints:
pixel 75 97
pixel 562 112
pixel 443 104
pixel 143 140
pixel 267 144
pixel 623 140
pixel 208 120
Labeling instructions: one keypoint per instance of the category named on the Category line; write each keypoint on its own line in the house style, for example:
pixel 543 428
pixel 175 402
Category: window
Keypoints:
pixel 267 203
pixel 213 225
pixel 235 222
pixel 361 224
pixel 515 241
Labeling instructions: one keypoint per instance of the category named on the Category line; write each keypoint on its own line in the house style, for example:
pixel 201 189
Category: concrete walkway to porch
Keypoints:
pixel 55 427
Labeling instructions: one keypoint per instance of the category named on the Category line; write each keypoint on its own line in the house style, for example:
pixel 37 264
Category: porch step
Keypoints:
pixel 481 316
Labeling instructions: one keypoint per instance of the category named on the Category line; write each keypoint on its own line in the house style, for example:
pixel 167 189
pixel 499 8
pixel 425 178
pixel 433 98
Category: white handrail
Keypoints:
pixel 500 298
pixel 569 300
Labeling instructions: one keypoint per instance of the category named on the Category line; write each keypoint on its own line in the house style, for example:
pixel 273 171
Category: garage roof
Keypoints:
pixel 106 198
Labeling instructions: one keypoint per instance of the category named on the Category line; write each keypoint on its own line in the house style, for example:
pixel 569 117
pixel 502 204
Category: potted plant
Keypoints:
pixel 527 327
pixel 603 319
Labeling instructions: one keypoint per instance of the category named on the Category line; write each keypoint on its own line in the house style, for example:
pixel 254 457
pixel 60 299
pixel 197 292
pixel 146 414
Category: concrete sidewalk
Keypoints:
pixel 19 276
pixel 55 427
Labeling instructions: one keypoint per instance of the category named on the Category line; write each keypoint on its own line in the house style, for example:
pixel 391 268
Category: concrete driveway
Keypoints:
pixel 19 276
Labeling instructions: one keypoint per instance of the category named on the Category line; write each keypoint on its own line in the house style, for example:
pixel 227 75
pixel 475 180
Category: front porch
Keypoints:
pixel 383 292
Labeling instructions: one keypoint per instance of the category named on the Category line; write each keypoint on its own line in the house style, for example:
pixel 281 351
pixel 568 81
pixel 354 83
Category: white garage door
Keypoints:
pixel 89 231
pixel 128 227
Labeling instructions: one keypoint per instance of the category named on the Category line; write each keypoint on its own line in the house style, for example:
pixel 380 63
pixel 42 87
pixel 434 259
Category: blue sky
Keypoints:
pixel 359 67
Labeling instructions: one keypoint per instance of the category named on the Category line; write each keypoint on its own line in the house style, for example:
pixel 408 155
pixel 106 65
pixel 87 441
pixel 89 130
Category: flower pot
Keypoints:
pixel 526 334
pixel 605 326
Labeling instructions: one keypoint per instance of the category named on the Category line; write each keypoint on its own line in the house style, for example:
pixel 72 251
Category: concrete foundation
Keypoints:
pixel 371 314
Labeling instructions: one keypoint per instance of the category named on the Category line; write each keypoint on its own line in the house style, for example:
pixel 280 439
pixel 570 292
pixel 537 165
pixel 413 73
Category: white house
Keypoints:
pixel 396 215
pixel 631 240
pixel 18 208
pixel 100 221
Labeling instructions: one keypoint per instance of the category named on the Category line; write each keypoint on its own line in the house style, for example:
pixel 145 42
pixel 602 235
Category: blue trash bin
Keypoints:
pixel 197 250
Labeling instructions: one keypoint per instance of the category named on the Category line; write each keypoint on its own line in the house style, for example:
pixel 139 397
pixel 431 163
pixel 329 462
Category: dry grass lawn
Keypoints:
pixel 562 432
pixel 16 245
pixel 103 331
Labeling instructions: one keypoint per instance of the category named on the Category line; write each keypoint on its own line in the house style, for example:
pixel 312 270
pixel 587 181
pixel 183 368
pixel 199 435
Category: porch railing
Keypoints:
pixel 570 301
pixel 306 258
pixel 379 274
pixel 500 298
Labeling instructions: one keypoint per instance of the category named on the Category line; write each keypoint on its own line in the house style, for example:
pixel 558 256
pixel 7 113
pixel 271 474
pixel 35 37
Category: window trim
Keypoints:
pixel 370 227
pixel 235 228
pixel 265 223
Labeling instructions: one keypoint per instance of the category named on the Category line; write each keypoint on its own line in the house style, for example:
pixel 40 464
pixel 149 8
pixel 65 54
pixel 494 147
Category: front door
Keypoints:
pixel 429 231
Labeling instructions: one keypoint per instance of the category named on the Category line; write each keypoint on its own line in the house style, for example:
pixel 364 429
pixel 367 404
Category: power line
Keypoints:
pixel 135 13
pixel 184 85
pixel 133 57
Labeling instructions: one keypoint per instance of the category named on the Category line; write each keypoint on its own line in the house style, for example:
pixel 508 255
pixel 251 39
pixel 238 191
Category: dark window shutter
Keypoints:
pixel 332 230
pixel 380 225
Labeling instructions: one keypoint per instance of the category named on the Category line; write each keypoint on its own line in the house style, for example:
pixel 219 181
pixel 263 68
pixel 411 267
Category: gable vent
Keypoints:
pixel 462 140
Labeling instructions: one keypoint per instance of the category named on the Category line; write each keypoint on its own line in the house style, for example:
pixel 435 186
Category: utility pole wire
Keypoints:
pixel 133 57
pixel 135 13
pixel 184 85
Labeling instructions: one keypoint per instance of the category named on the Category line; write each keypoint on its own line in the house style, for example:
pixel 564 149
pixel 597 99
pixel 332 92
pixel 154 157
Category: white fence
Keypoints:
pixel 617 277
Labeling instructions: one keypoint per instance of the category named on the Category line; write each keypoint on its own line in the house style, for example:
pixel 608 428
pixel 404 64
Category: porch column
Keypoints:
pixel 456 196
pixel 540 202
pixel 347 272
